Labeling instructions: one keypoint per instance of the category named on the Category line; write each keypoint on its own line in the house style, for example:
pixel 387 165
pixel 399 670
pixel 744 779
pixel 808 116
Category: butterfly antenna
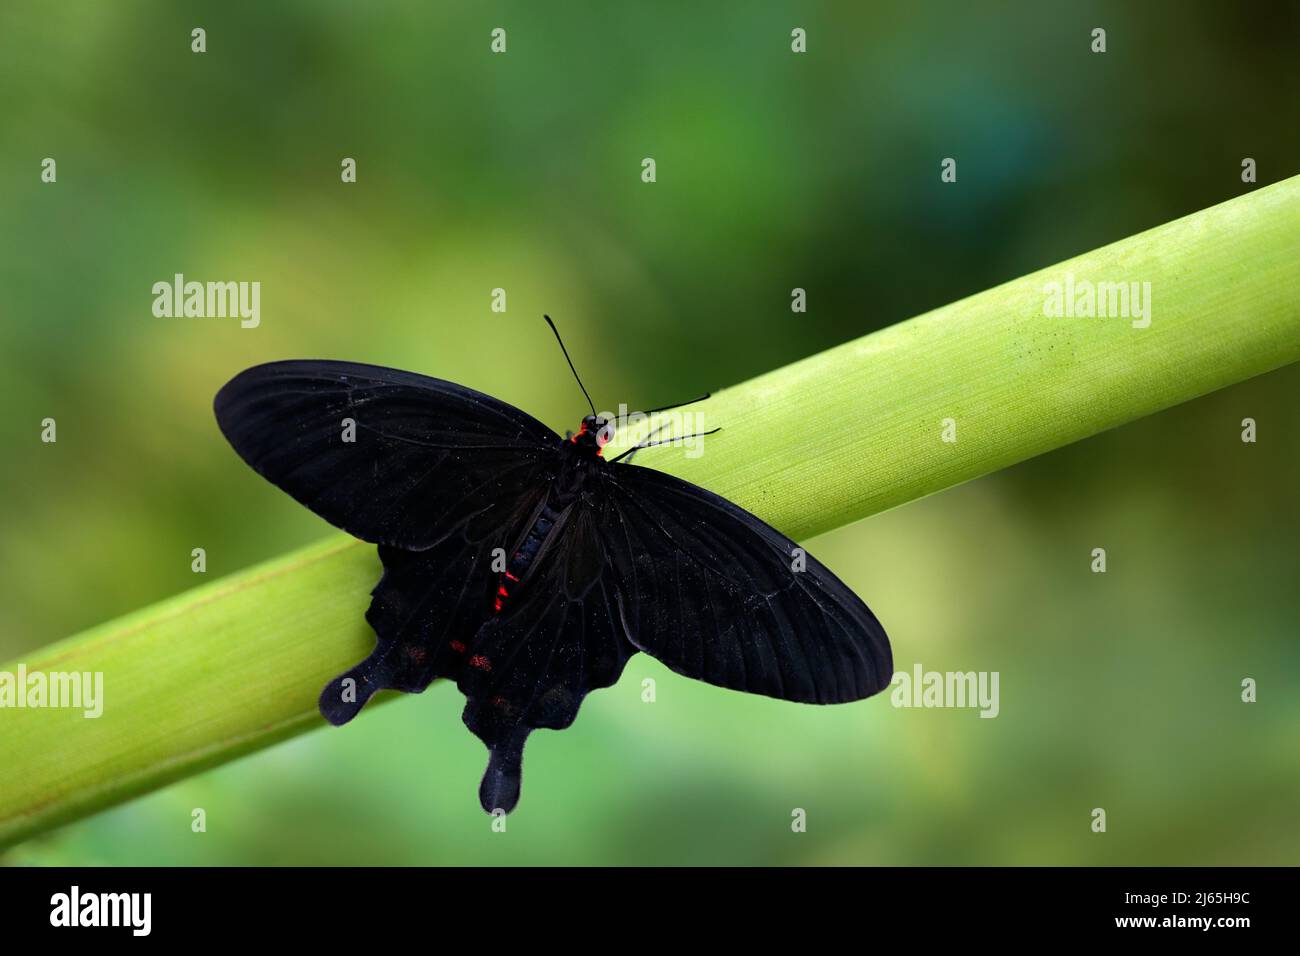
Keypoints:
pixel 570 361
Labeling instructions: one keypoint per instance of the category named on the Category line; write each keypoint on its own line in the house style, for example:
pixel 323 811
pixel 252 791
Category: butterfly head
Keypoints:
pixel 594 434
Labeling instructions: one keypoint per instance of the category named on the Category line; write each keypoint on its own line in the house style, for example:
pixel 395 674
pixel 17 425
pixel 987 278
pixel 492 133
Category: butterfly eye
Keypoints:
pixel 605 435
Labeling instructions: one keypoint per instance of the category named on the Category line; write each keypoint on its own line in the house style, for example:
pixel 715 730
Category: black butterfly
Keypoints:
pixel 528 568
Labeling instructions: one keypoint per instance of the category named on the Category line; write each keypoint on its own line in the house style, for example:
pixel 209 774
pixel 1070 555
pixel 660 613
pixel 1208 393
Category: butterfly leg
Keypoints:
pixel 637 448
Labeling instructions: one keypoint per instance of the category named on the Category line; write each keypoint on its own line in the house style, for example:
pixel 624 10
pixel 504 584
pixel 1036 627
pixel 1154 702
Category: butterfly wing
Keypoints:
pixel 557 638
pixel 425 452
pixel 720 596
pixel 425 607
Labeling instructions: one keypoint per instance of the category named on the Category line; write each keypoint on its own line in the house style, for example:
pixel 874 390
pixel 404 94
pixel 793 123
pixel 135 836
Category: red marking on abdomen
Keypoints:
pixel 502 593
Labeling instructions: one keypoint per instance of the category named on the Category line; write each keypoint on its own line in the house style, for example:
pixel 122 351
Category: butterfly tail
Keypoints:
pixel 344 696
pixel 499 789
pixel 505 740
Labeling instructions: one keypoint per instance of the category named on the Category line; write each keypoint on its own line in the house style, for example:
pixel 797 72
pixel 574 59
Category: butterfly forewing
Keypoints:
pixel 391 457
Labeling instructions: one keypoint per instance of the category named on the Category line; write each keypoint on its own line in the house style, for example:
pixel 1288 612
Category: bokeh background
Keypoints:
pixel 522 171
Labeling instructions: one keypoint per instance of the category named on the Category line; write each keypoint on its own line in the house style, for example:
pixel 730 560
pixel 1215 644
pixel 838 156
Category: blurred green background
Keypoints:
pixel 775 170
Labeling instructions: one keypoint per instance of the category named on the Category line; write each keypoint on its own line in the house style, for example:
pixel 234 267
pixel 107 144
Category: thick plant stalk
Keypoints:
pixel 236 665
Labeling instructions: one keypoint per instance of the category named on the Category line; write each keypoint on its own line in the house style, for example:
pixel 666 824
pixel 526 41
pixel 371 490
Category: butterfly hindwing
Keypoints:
pixel 717 594
pixel 557 638
pixel 423 453
pixel 426 606
pixel 407 614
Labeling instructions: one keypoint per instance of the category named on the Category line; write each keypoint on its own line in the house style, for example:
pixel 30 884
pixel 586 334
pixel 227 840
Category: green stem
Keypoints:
pixel 237 664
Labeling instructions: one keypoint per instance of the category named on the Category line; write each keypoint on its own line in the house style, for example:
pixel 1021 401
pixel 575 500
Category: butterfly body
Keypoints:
pixel 529 569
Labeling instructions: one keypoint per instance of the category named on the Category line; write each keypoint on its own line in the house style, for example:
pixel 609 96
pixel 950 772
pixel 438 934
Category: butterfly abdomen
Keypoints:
pixel 526 551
